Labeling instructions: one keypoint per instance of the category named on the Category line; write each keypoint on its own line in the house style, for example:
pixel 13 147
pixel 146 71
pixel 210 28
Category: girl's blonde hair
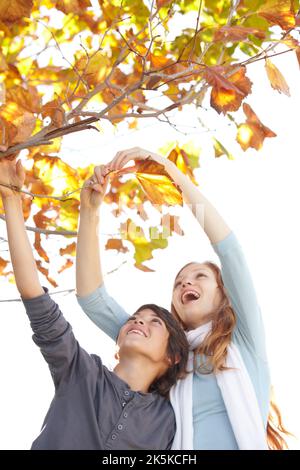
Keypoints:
pixel 213 351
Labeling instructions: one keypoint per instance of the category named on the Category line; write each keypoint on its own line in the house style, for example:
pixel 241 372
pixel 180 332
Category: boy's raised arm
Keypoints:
pixel 24 266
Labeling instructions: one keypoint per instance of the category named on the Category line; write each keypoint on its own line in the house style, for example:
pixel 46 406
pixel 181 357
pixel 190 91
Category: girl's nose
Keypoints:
pixel 185 283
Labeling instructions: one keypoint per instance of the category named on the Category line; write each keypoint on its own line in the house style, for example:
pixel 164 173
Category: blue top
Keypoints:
pixel 212 428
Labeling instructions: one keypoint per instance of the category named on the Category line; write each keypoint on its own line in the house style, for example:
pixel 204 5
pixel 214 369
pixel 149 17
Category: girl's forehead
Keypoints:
pixel 192 268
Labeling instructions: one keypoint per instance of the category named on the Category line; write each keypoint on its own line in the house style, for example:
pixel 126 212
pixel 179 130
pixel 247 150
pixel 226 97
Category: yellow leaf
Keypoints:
pixel 276 78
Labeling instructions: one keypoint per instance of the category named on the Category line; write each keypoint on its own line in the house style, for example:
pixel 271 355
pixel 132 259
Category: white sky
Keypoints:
pixel 258 194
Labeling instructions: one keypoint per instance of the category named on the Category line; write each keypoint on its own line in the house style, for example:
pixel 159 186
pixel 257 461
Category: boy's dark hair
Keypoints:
pixel 178 348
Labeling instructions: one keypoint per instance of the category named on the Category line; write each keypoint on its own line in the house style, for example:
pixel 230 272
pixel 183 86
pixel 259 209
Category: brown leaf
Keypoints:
pixel 252 133
pixel 228 93
pixel 162 3
pixel 13 10
pixel 279 12
pixel 116 244
pixel 55 111
pixel 276 78
pixel 72 6
pixel 237 33
pixel 298 55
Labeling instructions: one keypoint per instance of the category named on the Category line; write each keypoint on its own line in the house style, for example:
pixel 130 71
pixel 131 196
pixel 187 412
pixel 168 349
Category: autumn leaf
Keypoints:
pixel 228 92
pixel 45 272
pixel 3 265
pixel 298 55
pixel 72 6
pixel 143 247
pixel 162 3
pixel 221 150
pixel 279 12
pixel 276 78
pixel 27 99
pixel 55 111
pixel 155 182
pixel 237 33
pixel 116 244
pixel 68 250
pixel 37 245
pixel 13 10
pixel 68 264
pixel 252 133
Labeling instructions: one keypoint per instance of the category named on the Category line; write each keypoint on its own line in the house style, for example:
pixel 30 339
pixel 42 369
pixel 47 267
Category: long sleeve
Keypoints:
pixel 55 338
pixel 239 285
pixel 104 311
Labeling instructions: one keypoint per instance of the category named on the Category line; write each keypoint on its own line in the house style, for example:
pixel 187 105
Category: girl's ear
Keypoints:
pixel 177 359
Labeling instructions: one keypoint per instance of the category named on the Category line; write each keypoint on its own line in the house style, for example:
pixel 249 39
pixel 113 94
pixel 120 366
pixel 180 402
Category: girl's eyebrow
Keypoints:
pixel 198 269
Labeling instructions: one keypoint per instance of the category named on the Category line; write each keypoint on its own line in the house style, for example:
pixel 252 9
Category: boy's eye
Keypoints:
pixel 157 320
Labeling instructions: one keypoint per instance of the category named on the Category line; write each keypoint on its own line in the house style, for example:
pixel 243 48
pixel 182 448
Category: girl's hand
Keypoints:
pixel 12 173
pixel 94 188
pixel 136 153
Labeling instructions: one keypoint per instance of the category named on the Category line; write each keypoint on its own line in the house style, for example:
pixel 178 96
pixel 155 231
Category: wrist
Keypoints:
pixel 11 199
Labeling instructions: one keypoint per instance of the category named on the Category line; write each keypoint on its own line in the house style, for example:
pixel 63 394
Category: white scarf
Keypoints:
pixel 238 395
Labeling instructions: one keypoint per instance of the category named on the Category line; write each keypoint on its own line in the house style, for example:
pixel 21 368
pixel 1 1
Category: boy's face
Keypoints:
pixel 145 334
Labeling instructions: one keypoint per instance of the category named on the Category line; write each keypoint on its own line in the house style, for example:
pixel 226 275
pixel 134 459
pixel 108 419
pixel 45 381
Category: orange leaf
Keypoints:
pixel 45 271
pixel 159 61
pixel 68 250
pixel 28 99
pixel 279 12
pixel 37 245
pixel 252 133
pixel 298 55
pixel 116 244
pixel 237 33
pixel 228 93
pixel 13 10
pixel 276 78
pixel 67 265
pixel 3 265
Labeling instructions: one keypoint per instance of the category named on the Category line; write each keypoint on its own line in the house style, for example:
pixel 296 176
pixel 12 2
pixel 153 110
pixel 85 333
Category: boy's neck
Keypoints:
pixel 138 376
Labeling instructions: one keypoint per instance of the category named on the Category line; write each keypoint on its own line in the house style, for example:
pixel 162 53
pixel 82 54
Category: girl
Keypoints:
pixel 225 403
pixel 94 408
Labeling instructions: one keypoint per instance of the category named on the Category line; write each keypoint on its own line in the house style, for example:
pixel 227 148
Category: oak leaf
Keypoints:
pixel 252 133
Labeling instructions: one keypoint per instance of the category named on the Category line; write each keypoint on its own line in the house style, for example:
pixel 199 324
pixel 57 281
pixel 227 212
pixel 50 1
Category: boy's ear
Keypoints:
pixel 117 356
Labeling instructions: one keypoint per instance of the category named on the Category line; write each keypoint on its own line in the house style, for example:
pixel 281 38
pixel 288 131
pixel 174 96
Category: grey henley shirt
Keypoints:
pixel 92 407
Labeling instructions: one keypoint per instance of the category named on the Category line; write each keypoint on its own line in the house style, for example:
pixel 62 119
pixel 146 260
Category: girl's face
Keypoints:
pixel 146 334
pixel 196 295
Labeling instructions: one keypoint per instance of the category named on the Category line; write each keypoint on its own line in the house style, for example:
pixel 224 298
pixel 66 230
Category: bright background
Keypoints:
pixel 257 193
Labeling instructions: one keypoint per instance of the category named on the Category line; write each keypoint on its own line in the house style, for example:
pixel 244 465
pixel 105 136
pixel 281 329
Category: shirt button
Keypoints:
pixel 120 426
pixel 113 437
pixel 124 403
pixel 126 393
pixel 125 414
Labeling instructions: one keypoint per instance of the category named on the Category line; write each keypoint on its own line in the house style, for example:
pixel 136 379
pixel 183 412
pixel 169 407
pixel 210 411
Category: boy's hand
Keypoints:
pixel 12 173
pixel 94 188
